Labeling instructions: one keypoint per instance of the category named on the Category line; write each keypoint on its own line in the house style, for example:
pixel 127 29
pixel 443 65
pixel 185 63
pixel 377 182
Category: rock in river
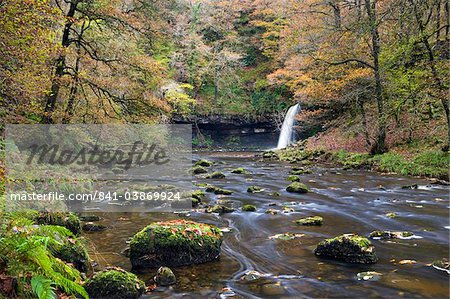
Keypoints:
pixel 313 220
pixel 248 208
pixel 165 277
pixel 204 163
pixel 349 248
pixel 297 187
pixel 198 170
pixel 215 175
pixel 93 227
pixel 254 189
pixel 114 283
pixel 385 234
pixel 175 243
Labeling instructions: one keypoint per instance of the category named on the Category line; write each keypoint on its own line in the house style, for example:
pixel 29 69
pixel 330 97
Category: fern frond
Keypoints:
pixel 42 287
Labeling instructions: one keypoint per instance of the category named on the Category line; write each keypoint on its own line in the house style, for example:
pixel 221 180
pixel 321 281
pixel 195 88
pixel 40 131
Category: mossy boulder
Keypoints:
pixel 175 243
pixel 219 209
pixel 204 163
pixel 271 211
pixel 384 234
pixel 215 175
pixel 240 170
pixel 73 251
pixel 217 190
pixel 293 178
pixel 349 248
pixel 67 220
pixel 442 265
pixel 248 208
pixel 114 284
pixel 312 220
pixel 254 189
pixel 199 170
pixel 297 187
pixel 165 277
pixel 198 196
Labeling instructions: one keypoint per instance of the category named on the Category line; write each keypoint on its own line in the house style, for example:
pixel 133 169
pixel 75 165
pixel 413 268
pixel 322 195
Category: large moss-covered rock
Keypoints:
pixel 67 220
pixel 198 196
pixel 175 243
pixel 219 209
pixel 73 251
pixel 114 284
pixel 297 187
pixel 349 248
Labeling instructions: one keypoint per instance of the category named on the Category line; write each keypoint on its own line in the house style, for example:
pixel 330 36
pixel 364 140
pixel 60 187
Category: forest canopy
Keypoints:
pixel 379 67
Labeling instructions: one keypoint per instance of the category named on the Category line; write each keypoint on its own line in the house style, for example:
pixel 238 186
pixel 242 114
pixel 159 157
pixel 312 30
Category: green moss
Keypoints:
pixel 67 220
pixel 248 208
pixel 240 170
pixel 217 190
pixel 199 170
pixel 219 209
pixel 297 187
pixel 313 220
pixel 175 243
pixel 204 163
pixel 254 189
pixel 73 251
pixel 378 234
pixel 165 277
pixel 115 284
pixel 215 175
pixel 198 196
pixel 349 248
pixel 300 171
pixel 293 178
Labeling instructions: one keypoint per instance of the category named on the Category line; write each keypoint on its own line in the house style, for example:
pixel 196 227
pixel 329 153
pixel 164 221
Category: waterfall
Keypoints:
pixel 286 136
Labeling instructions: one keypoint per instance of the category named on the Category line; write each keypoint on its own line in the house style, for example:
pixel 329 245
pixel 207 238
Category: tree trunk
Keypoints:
pixel 379 145
pixel 60 67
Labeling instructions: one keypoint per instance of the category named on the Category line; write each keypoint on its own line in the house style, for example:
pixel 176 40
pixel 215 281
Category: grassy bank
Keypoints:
pixel 431 163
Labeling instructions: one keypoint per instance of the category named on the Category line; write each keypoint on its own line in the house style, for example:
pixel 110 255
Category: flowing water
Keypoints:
pixel 286 133
pixel 351 201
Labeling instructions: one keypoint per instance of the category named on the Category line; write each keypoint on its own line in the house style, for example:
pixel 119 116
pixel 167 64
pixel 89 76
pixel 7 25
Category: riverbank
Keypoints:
pixel 431 163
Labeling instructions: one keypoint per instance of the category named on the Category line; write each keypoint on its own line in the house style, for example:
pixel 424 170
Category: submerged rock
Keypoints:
pixel 175 243
pixel 369 275
pixel 93 227
pixel 312 220
pixel 204 163
pixel 248 208
pixel 271 211
pixel 411 187
pixel 286 236
pixel 254 189
pixel 442 265
pixel 391 215
pixel 378 234
pixel 293 178
pixel 215 175
pixel 349 248
pixel 165 277
pixel 275 194
pixel 297 187
pixel 219 209
pixel 115 284
pixel 252 276
pixel 240 170
pixel 90 218
pixel 300 171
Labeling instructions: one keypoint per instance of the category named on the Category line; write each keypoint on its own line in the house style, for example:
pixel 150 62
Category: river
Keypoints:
pixel 350 201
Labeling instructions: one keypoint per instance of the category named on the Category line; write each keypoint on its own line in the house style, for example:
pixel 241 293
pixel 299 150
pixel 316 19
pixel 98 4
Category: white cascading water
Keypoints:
pixel 286 136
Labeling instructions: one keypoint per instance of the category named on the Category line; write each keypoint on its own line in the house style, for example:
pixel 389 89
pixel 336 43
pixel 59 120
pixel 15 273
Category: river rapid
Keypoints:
pixel 350 201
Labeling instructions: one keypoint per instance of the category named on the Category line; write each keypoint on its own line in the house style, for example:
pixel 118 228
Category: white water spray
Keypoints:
pixel 286 136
